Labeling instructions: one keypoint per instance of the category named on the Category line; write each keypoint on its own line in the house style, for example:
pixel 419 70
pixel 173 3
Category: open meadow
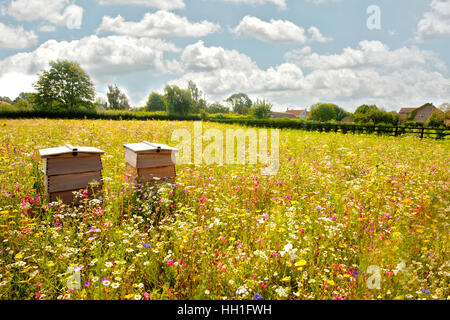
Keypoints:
pixel 343 212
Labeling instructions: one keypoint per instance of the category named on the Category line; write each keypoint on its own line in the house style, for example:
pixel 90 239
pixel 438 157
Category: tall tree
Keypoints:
pixel 326 111
pixel 64 85
pixel 178 100
pixel 261 109
pixel 216 107
pixel 196 94
pixel 117 99
pixel 156 102
pixel 240 102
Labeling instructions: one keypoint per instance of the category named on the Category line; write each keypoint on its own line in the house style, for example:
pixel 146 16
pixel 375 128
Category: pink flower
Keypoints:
pixel 202 199
pixel 170 262
pixel 147 296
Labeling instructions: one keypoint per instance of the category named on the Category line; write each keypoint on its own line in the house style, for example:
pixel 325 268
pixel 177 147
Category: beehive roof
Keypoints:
pixel 148 147
pixel 45 153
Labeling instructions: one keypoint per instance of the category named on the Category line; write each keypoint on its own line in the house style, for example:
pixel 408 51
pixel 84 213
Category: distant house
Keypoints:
pixel 424 112
pixel 404 113
pixel 302 114
pixel 282 115
pixel 347 119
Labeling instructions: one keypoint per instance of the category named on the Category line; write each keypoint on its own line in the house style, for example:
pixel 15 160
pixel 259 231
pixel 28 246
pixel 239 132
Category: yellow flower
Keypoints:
pixel 129 296
pixel 300 263
pixel 18 256
pixel 331 282
pixel 25 270
pixel 50 264
pixel 286 279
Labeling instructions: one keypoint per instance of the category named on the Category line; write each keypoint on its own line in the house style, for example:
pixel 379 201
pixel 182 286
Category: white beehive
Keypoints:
pixel 69 169
pixel 150 162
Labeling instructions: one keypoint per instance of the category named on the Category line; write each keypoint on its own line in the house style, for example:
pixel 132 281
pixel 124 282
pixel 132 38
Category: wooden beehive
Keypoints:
pixel 150 162
pixel 69 169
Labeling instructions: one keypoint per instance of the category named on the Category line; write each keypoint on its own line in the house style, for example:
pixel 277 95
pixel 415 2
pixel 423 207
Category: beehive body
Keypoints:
pixel 66 172
pixel 147 162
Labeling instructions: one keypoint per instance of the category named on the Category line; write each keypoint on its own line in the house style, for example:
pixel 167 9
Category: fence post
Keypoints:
pixel 421 134
pixel 396 131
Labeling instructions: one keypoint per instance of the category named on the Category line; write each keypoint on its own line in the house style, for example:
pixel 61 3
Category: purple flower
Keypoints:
pixel 257 296
pixel 426 291
pixel 146 245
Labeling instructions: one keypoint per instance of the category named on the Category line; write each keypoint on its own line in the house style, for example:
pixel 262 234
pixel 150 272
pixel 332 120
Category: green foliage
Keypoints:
pixel 117 99
pixel 324 112
pixel 156 102
pixel 6 107
pixel 23 104
pixel 199 103
pixel 216 108
pixel 179 101
pixel 10 112
pixel 261 109
pixel 6 99
pixel 240 103
pixel 64 86
pixel 436 119
pixel 372 114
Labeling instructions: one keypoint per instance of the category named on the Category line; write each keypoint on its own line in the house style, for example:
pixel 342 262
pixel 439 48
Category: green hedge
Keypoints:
pixel 387 129
pixel 384 129
pixel 85 114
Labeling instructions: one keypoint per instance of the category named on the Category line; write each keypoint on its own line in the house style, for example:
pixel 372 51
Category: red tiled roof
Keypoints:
pixel 295 112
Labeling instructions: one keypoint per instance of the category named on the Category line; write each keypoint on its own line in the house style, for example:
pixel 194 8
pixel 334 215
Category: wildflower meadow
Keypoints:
pixel 351 217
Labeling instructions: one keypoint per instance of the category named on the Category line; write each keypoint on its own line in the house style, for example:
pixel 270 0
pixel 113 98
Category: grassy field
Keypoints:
pixel 339 204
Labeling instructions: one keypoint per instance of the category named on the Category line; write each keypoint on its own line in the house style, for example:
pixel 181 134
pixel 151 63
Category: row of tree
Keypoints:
pixel 65 85
pixel 176 100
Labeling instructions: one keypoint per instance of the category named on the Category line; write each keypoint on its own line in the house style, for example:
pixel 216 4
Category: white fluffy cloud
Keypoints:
pixel 281 31
pixel 161 23
pixel 279 3
pixel 160 4
pixel 368 54
pixel 112 55
pixel 370 73
pixel 57 12
pixel 374 73
pixel 219 72
pixel 16 37
pixel 13 83
pixel 435 23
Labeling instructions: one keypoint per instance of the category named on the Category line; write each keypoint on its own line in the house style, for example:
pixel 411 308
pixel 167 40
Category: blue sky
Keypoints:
pixel 292 52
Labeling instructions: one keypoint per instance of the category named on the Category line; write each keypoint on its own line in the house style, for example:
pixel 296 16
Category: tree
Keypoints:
pixel 199 103
pixel 324 112
pixel 445 107
pixel 240 103
pixel 216 107
pixel 436 119
pixel 100 103
pixel 371 113
pixel 261 109
pixel 178 100
pixel 6 99
pixel 156 102
pixel 117 99
pixel 65 85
